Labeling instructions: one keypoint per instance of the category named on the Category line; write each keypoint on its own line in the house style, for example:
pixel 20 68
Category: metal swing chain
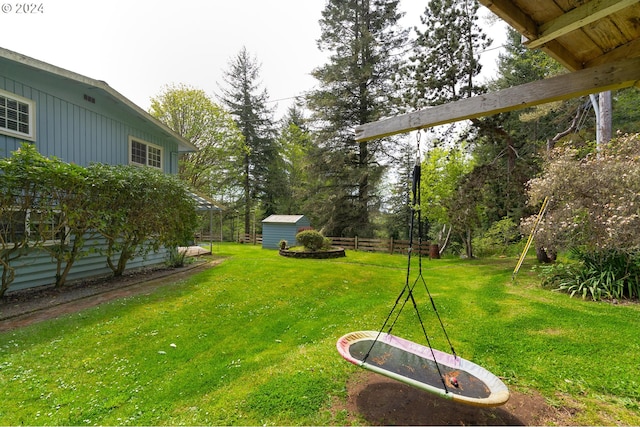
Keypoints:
pixel 415 207
pixel 420 234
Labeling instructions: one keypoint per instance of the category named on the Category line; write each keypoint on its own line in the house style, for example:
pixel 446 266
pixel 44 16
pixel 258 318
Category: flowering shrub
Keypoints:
pixel 594 213
pixel 594 200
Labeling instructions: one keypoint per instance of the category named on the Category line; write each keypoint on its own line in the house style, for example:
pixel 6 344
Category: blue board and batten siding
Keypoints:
pixel 39 268
pixel 282 227
pixel 81 121
pixel 80 132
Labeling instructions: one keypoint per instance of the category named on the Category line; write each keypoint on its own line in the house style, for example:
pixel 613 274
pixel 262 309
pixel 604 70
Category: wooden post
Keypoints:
pixel 434 251
pixel 604 118
pixel 355 242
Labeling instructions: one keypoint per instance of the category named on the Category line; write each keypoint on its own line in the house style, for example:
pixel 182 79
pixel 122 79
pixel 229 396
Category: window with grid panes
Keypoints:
pixel 31 226
pixel 16 115
pixel 145 154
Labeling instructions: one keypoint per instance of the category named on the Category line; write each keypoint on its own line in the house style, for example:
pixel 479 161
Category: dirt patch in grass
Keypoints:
pixel 376 400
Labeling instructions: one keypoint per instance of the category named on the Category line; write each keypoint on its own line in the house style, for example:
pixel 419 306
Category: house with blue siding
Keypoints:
pixel 79 120
pixel 282 227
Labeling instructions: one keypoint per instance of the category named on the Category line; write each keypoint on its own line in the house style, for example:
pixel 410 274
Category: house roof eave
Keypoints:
pixel 183 144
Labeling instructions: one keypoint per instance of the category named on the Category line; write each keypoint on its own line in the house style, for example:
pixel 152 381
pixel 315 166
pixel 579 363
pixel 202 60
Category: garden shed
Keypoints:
pixel 282 227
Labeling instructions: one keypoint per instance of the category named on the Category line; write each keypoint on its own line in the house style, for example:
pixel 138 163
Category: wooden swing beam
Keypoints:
pixel 602 78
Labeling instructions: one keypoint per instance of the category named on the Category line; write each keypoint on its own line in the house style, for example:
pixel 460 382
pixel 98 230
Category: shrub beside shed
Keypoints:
pixel 282 227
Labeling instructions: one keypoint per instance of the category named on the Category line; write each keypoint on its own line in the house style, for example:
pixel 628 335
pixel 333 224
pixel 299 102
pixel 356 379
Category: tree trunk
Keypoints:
pixel 443 243
pixel 545 256
pixel 468 244
pixel 62 273
pixel 604 118
pixel 551 143
pixel 8 274
pixel 125 256
pixel 247 197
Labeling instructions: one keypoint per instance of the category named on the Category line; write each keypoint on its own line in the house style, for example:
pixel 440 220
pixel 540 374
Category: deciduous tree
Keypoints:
pixel 194 116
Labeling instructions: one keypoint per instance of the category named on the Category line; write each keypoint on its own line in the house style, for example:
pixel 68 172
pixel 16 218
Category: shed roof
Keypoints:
pixel 282 219
pixel 8 57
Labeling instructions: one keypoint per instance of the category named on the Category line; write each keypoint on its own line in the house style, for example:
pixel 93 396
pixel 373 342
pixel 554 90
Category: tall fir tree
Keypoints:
pixel 446 60
pixel 398 203
pixel 247 103
pixel 508 145
pixel 445 67
pixel 358 85
pixel 295 141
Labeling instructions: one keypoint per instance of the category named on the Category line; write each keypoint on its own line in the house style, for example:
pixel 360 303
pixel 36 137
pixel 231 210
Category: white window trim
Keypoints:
pixel 28 231
pixel 148 144
pixel 31 136
pixel 48 242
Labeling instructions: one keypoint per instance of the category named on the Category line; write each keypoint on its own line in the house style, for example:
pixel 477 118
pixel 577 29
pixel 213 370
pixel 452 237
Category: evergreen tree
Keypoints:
pixel 508 145
pixel 247 103
pixel 295 140
pixel 519 65
pixel 444 67
pixel 446 59
pixel 396 222
pixel 358 85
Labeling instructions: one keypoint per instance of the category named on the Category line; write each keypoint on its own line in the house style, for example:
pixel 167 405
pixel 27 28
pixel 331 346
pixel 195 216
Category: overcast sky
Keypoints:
pixel 139 46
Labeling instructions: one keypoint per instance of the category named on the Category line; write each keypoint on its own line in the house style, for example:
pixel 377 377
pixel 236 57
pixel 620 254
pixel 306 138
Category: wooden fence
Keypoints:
pixel 390 246
pixel 255 239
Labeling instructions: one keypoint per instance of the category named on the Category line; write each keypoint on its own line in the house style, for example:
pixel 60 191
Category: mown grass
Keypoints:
pixel 252 341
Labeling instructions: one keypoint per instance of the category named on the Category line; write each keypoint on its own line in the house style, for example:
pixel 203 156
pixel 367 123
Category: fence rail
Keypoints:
pixel 250 238
pixel 391 246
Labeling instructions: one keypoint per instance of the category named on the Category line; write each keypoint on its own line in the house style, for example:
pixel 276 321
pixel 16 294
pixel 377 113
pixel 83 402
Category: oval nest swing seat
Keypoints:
pixel 446 375
pixel 450 377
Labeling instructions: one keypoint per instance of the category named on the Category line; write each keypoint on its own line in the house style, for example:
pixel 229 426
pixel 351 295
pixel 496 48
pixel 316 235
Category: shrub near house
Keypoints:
pixel 52 206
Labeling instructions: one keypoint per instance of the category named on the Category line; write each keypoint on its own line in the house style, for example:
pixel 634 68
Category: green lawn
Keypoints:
pixel 252 341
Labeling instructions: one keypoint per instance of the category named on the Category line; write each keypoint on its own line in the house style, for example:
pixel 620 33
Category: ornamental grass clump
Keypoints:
pixel 607 274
